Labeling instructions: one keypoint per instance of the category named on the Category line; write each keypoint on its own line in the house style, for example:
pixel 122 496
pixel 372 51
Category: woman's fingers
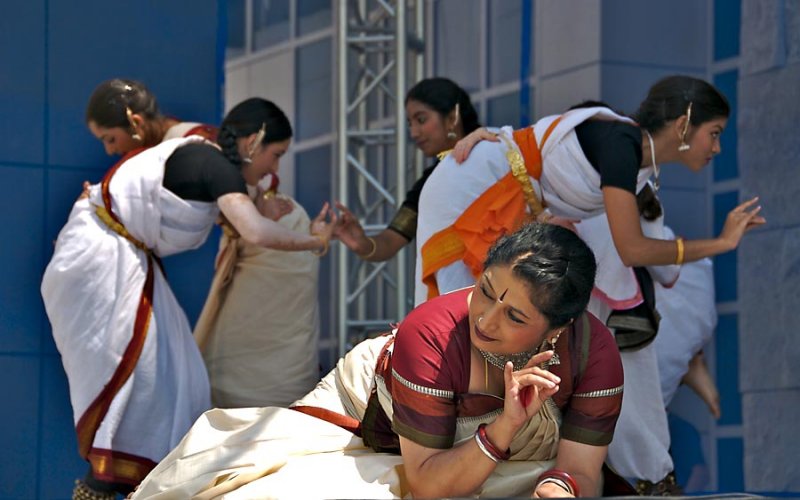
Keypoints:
pixel 744 205
pixel 541 378
pixel 465 145
pixel 538 359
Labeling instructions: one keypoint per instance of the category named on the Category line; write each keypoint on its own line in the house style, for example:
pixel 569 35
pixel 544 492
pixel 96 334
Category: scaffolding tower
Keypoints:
pixel 380 52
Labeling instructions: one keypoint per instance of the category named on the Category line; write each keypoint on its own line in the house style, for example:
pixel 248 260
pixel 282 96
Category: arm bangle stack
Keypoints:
pixel 561 484
pixel 374 248
pixel 484 450
pixel 562 479
pixel 679 258
pixel 487 447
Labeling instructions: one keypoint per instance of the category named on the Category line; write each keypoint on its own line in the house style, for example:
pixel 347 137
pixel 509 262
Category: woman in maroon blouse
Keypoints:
pixel 515 361
pixel 508 388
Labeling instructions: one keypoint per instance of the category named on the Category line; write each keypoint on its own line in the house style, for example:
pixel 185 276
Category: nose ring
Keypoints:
pixel 480 318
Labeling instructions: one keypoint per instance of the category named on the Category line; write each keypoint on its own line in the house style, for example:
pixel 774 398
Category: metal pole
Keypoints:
pixel 400 142
pixel 341 152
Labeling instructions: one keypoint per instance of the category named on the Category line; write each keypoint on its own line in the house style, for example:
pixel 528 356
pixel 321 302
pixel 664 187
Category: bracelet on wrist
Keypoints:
pixel 486 452
pixel 371 252
pixel 561 484
pixel 679 257
pixel 488 447
pixel 561 478
pixel 324 250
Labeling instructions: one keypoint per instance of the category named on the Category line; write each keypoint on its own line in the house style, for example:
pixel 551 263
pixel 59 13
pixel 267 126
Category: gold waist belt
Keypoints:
pixel 118 228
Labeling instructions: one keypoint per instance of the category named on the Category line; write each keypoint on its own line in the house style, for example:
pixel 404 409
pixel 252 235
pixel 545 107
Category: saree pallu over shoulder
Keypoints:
pixel 499 210
pixel 113 315
pixel 570 183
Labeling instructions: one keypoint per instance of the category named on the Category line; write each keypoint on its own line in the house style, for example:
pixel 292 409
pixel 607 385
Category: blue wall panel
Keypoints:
pixel 727 372
pixel 171 46
pixel 21 313
pixel 22 82
pixel 19 422
pixel 726 164
pixel 730 465
pixel 727 26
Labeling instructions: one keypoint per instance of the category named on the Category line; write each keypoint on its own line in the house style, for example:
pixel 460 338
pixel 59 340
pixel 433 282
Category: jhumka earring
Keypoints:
pixel 135 135
pixel 685 147
pixel 452 133
pixel 555 360
pixel 262 132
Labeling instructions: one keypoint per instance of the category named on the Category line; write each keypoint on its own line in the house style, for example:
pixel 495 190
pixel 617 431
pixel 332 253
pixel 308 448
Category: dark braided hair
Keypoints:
pixel 110 100
pixel 247 118
pixel 442 95
pixel 556 265
pixel 669 99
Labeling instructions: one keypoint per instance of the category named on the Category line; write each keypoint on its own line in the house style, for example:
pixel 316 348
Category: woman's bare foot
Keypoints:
pixel 699 380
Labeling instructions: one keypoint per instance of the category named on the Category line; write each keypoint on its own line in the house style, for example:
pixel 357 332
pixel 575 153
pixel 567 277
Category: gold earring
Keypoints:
pixel 683 146
pixel 452 133
pixel 555 360
pixel 262 132
pixel 135 135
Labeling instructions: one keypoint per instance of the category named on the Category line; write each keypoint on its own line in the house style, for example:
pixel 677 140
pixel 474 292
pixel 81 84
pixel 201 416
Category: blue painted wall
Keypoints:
pixel 52 55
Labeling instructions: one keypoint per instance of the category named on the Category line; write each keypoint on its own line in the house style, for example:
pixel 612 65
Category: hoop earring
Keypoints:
pixel 135 135
pixel 684 146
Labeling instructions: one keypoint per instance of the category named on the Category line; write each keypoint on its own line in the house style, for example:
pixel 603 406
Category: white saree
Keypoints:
pixel 569 187
pixel 442 201
pixel 131 404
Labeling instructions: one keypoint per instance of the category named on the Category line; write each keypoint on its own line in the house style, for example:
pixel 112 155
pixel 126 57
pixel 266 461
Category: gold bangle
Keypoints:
pixel 320 253
pixel 679 258
pixel 374 248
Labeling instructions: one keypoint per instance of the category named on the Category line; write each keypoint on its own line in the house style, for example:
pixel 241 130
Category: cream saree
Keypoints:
pixel 282 453
pixel 260 325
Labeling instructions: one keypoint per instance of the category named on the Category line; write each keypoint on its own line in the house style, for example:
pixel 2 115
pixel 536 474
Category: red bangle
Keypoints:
pixel 563 476
pixel 499 455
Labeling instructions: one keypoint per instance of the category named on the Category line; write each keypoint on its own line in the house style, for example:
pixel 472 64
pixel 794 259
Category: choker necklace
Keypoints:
pixel 656 182
pixel 518 359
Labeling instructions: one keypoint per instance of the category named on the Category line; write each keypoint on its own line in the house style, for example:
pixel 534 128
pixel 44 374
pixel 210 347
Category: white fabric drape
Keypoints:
pixel 261 348
pixel 91 289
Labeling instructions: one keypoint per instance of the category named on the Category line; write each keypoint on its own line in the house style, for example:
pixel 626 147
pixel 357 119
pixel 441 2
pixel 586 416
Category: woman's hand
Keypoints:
pixel 350 232
pixel 528 388
pixel 465 145
pixel 740 220
pixel 324 224
pixel 86 190
pixel 273 207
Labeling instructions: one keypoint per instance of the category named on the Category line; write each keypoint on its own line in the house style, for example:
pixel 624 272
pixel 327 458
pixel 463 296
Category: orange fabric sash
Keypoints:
pixel 106 464
pixel 500 210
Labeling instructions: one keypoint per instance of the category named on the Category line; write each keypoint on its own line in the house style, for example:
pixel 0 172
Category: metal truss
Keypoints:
pixel 380 51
